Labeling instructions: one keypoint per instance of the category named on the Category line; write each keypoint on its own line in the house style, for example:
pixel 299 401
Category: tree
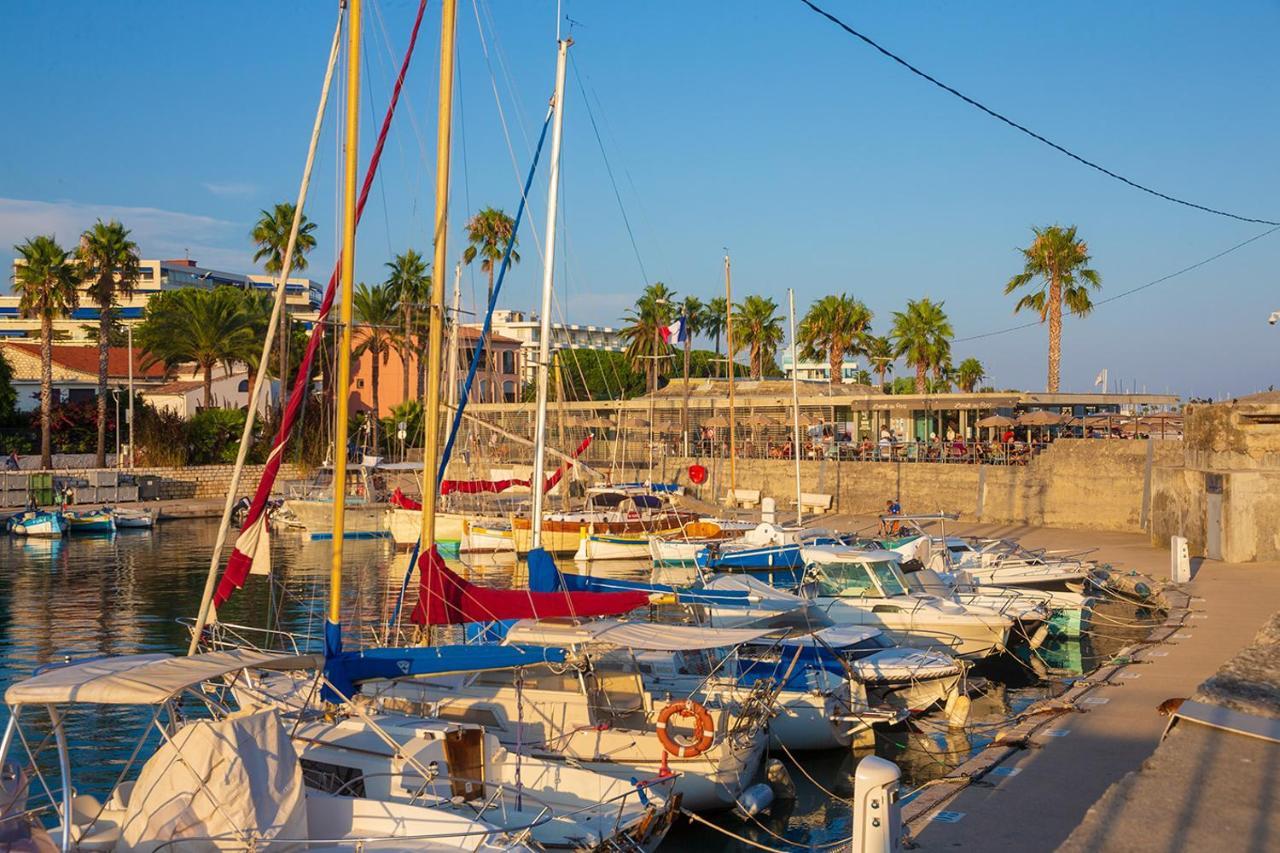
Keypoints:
pixel 716 319
pixel 46 281
pixel 377 316
pixel 411 286
pixel 834 327
pixel 600 375
pixel 271 234
pixel 758 327
pixel 109 264
pixel 969 374
pixel 695 315
pixel 204 327
pixel 1062 261
pixel 879 352
pixel 646 350
pixel 489 231
pixel 922 334
pixel 8 394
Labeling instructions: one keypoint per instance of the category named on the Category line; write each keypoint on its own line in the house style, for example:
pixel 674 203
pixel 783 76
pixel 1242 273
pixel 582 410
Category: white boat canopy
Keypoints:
pixel 847 554
pixel 632 635
pixel 837 636
pixel 143 679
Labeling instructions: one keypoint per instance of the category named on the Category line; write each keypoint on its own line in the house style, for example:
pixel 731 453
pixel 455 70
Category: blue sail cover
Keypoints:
pixel 545 576
pixel 351 668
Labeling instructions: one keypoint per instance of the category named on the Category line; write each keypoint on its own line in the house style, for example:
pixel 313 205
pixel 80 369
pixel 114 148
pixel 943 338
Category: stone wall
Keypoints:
pixel 1078 483
pixel 198 482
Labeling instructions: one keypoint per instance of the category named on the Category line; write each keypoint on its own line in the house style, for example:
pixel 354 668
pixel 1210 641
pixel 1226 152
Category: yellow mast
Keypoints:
pixel 733 418
pixel 435 362
pixel 351 144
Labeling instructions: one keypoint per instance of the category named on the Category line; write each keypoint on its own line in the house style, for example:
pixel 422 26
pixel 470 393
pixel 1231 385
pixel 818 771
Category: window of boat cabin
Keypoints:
pixel 540 677
pixel 846 580
pixel 890 577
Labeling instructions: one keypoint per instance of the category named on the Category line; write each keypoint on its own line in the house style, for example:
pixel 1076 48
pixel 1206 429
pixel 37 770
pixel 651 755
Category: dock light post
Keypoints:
pixel 115 394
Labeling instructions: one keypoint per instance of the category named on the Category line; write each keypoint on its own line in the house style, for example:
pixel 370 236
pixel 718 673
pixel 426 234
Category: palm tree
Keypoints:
pixel 759 328
pixel 109 264
pixel 922 334
pixel 969 374
pixel 879 352
pixel 645 349
pixel 1062 261
pixel 46 281
pixel 271 234
pixel 207 327
pixel 714 322
pixel 834 326
pixel 377 316
pixel 695 316
pixel 411 286
pixel 489 231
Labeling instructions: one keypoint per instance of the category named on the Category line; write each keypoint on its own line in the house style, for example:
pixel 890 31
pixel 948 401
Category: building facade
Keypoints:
pixel 302 298
pixel 525 328
pixel 820 370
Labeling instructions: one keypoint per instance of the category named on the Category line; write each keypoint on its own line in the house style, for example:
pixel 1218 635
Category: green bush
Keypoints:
pixel 161 437
pixel 213 436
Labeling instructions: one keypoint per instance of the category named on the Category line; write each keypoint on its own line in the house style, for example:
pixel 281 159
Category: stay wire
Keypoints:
pixel 1022 128
pixel 1130 291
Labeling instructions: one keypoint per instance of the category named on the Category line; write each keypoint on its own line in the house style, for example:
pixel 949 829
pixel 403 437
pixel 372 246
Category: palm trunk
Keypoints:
pixel 46 390
pixel 1055 334
pixel 373 425
pixel 489 296
pixel 835 359
pixel 104 341
pixel 922 378
pixel 422 373
pixel 405 352
pixel 881 373
pixel 208 386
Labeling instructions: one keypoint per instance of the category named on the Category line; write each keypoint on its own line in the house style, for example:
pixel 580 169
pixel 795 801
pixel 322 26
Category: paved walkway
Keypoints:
pixel 1042 794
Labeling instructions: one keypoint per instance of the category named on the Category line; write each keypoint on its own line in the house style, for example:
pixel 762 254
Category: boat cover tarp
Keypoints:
pixel 142 679
pixel 250 540
pixel 442 660
pixel 545 576
pixel 642 636
pixel 446 599
pixel 237 779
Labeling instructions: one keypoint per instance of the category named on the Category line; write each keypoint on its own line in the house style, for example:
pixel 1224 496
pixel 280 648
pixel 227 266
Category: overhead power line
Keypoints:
pixel 1131 290
pixel 1016 126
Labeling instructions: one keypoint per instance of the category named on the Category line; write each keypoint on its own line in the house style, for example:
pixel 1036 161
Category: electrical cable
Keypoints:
pixel 1006 120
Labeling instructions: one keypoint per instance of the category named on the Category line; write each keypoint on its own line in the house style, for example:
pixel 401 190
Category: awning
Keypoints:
pixel 644 636
pixel 837 637
pixel 142 679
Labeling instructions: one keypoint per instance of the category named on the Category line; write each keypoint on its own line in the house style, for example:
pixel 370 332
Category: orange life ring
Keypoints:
pixel 703 729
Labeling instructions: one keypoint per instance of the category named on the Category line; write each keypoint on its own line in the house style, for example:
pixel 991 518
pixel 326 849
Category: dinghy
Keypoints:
pixel 38 524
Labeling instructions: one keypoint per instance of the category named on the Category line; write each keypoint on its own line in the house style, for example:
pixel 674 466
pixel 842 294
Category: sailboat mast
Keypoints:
pixel 456 316
pixel 431 407
pixel 351 146
pixel 548 277
pixel 733 417
pixel 795 403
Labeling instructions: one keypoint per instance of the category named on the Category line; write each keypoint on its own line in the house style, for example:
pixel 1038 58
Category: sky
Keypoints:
pixel 692 128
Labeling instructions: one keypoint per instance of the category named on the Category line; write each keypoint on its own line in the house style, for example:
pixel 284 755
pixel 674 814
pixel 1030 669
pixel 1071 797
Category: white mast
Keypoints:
pixel 795 402
pixel 548 277
pixel 456 314
pixel 129 332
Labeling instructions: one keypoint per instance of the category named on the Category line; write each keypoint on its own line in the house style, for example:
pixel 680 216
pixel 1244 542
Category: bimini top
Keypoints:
pixel 142 679
pixel 632 635
pixel 847 554
pixel 837 637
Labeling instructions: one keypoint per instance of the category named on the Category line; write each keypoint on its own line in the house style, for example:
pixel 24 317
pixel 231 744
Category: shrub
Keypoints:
pixel 213 436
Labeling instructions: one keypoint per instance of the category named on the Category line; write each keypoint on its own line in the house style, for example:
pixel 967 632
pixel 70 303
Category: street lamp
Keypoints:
pixel 115 393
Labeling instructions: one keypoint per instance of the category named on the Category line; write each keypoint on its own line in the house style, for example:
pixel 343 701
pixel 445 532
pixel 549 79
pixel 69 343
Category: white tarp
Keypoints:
pixel 631 635
pixel 142 679
pixel 235 780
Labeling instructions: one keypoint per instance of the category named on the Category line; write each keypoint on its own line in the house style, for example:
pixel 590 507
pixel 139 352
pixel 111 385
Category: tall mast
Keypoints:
pixel 548 278
pixel 351 146
pixel 733 418
pixel 456 316
pixel 431 408
pixel 795 402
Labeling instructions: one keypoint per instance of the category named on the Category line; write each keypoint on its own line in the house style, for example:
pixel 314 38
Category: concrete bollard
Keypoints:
pixel 877 818
pixel 1179 559
pixel 768 510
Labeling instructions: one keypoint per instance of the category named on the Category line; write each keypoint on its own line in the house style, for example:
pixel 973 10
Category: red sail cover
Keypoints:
pixel 446 599
pixel 241 559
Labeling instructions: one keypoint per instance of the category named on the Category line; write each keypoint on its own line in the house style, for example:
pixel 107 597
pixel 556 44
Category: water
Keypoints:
pixel 124 594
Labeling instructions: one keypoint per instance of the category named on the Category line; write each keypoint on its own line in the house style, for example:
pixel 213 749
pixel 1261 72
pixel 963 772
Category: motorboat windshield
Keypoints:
pixel 862 579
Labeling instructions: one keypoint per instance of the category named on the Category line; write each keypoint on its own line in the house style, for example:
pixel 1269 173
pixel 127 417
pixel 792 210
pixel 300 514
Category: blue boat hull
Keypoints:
pixel 772 557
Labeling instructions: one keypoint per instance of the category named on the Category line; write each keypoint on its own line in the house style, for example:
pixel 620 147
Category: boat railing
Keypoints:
pixel 228 635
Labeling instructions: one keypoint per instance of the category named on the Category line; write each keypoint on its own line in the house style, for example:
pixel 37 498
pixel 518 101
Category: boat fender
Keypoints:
pixel 754 800
pixel 703 729
pixel 775 772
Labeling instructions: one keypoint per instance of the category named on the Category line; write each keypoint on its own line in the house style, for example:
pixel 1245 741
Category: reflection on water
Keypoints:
pixel 123 594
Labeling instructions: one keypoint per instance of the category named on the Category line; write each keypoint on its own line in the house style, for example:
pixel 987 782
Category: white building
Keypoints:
pixel 820 370
pixel 302 298
pixel 525 328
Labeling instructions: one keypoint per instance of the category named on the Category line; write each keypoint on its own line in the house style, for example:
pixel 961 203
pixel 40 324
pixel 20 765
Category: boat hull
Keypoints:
pixel 316 516
pixel 45 525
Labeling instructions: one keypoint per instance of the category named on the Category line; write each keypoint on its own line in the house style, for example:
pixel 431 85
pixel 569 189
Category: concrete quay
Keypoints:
pixel 1037 797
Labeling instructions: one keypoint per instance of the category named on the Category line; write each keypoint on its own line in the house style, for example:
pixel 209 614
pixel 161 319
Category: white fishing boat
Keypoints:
pixel 215 781
pixel 856 587
pixel 135 519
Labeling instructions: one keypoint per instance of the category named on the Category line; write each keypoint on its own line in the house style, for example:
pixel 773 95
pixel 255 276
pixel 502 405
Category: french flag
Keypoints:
pixel 674 334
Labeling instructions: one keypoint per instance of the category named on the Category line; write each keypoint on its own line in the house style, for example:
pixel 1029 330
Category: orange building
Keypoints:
pixel 497 380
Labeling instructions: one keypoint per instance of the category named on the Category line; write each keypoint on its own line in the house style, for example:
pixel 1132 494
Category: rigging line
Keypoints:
pixel 1131 291
pixel 373 119
pixel 609 169
pixel 1022 128
pixel 387 66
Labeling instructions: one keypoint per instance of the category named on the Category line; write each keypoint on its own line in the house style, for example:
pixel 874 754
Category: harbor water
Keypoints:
pixel 124 594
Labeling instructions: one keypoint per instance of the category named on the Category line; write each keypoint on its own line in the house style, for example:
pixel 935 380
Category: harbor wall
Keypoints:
pixel 193 482
pixel 1074 483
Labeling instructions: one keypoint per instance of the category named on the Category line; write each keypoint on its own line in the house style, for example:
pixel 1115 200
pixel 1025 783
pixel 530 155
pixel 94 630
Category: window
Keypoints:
pixel 243 387
pixel 890 577
pixel 509 391
pixel 81 395
pixel 508 362
pixel 848 580
pixel 359 383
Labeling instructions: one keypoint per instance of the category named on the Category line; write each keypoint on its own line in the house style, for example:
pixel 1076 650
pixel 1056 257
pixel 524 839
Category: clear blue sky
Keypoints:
pixel 757 126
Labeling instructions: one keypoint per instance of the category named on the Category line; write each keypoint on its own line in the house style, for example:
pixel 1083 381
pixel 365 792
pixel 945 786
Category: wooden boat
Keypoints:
pixel 91 521
pixel 135 519
pixel 38 524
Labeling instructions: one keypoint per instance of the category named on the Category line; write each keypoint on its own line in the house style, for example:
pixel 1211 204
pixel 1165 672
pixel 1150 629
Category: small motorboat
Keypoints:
pixel 91 521
pixel 135 519
pixel 38 524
